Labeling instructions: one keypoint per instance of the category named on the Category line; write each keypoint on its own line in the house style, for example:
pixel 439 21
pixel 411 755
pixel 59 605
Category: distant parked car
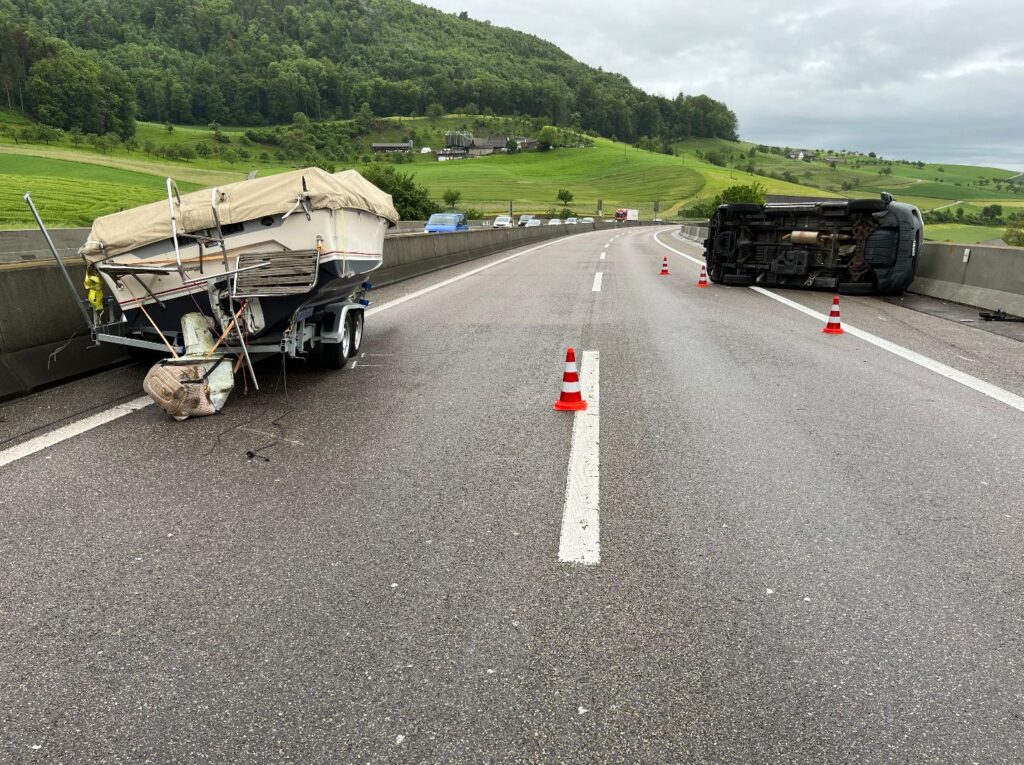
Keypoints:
pixel 555 222
pixel 446 223
pixel 502 221
pixel 572 221
pixel 587 220
pixel 525 219
pixel 532 223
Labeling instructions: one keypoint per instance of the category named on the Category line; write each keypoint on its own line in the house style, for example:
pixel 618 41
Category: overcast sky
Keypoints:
pixel 939 81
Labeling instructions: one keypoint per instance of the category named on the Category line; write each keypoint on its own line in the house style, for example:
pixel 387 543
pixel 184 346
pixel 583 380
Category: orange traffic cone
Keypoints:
pixel 571 399
pixel 664 267
pixel 703 280
pixel 834 327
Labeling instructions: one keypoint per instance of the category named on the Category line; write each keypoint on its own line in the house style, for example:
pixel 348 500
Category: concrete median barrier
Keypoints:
pixel 985 276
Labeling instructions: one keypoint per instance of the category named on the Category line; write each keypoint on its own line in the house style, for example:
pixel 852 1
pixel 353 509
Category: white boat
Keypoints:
pixel 268 265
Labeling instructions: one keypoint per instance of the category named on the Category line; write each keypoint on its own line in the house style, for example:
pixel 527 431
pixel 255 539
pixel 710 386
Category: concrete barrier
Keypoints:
pixel 38 314
pixel 985 276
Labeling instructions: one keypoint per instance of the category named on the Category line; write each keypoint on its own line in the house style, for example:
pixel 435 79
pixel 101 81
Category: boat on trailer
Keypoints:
pixel 274 265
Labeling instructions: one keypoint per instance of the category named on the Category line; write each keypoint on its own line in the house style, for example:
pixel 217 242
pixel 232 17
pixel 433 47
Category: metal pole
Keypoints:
pixel 60 263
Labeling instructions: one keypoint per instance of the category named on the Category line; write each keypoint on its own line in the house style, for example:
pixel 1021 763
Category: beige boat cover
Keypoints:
pixel 124 231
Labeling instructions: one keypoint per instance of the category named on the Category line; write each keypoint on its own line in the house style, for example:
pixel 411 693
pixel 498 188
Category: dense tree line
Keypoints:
pixel 257 62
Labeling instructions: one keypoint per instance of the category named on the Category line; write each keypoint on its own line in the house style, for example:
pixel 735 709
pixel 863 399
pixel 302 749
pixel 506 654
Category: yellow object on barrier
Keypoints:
pixel 94 284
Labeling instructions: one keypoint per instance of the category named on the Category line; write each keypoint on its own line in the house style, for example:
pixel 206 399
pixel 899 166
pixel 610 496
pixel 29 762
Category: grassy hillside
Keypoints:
pixel 74 184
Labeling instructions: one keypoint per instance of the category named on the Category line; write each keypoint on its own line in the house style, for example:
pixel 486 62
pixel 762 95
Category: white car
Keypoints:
pixel 533 222
pixel 572 221
pixel 502 221
pixel 587 220
pixel 554 222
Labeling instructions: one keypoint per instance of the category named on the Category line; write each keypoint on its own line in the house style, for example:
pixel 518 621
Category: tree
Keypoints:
pixel 452 197
pixel 364 118
pixel 1014 236
pixel 435 111
pixel 991 212
pixel 959 213
pixel 548 138
pixel 564 196
pixel 131 144
pixel 169 127
pixel 411 200
pixel 75 135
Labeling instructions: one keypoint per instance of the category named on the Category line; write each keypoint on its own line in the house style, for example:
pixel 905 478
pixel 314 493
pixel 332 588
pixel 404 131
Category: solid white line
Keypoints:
pixel 37 444
pixel 459 278
pixel 987 388
pixel 602 256
pixel 597 281
pixel 34 445
pixel 698 261
pixel 580 540
pixel 990 390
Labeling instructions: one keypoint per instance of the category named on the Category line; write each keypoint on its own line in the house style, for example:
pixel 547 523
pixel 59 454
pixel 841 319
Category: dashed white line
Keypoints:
pixel 951 373
pixel 37 444
pixel 460 277
pixel 602 256
pixel 580 539
pixel 597 281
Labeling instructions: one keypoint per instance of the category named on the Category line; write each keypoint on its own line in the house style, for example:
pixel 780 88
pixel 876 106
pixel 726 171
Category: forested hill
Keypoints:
pixel 95 65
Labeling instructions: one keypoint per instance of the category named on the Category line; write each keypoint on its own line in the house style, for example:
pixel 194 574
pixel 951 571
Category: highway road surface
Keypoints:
pixel 760 544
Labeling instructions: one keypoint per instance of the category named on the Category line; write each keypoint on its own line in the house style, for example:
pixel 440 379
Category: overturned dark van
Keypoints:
pixel 848 245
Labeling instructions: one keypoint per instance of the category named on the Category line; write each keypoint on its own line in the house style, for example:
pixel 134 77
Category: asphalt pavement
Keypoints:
pixel 810 546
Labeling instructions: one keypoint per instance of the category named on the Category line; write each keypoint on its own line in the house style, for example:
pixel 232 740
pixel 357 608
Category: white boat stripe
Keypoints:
pixel 580 538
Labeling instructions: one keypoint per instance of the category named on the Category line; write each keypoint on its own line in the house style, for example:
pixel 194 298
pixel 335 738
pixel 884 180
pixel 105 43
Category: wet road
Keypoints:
pixel 810 547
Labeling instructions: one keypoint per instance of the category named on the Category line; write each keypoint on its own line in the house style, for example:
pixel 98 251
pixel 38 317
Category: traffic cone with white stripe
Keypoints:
pixel 703 280
pixel 571 399
pixel 664 267
pixel 834 327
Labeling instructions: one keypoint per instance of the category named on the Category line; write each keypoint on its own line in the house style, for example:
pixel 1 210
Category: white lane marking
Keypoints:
pixel 459 278
pixel 951 373
pixel 580 540
pixel 988 389
pixel 37 444
pixel 698 261
pixel 597 281
pixel 27 448
pixel 602 256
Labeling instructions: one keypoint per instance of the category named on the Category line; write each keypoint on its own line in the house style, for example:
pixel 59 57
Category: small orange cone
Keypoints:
pixel 834 327
pixel 571 399
pixel 703 281
pixel 664 267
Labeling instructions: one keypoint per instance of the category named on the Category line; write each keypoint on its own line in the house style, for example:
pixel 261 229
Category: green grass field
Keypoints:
pixel 961 234
pixel 71 193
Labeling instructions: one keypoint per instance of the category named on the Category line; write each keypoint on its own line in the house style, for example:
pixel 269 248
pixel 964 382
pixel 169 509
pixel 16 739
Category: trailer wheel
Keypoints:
pixel 336 355
pixel 355 319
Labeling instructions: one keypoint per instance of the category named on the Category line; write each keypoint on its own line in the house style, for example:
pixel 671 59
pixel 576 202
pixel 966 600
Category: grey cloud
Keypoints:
pixel 936 81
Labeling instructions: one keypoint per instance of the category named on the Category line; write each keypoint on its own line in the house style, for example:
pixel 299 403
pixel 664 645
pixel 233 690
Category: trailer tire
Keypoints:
pixel 355 320
pixel 336 355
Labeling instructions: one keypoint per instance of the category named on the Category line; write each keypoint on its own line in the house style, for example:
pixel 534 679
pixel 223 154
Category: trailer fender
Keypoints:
pixel 334 323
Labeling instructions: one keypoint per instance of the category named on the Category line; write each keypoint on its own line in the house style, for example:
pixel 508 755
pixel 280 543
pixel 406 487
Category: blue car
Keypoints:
pixel 446 223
